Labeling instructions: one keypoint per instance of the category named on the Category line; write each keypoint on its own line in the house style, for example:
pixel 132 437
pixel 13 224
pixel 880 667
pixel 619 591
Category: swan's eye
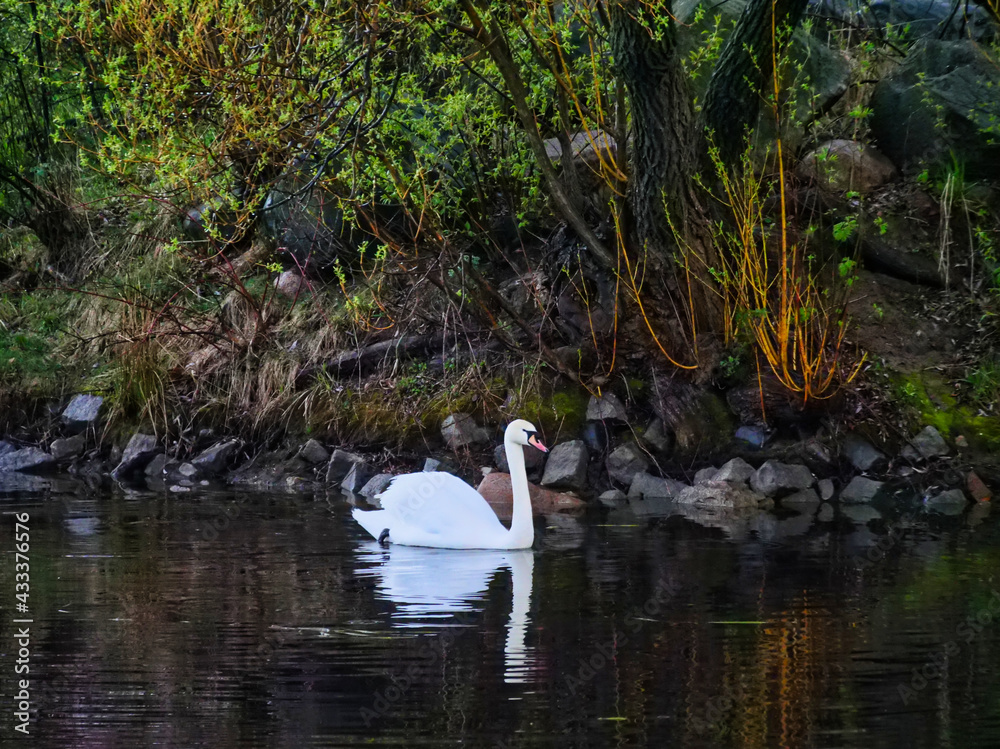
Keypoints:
pixel 530 434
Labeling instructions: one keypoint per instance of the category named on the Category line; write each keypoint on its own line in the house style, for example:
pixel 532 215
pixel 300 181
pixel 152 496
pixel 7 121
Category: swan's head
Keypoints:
pixel 522 432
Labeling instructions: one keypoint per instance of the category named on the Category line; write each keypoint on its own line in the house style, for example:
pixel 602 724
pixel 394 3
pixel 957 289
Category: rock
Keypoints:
pixel 721 494
pixel 838 166
pixel 860 453
pixel 950 502
pixel 596 436
pixel 26 460
pixel 699 419
pixel 290 284
pixel 534 460
pixel 606 408
pixel 82 412
pixel 804 501
pixel 658 437
pixel 814 451
pixel 566 466
pixel 185 473
pixel 774 477
pixel 737 470
pixel 376 485
pixel 141 449
pixel 460 430
pixel 340 464
pixel 825 514
pixel 938 107
pixel 825 487
pixel 911 19
pixel 6 447
pixel 431 465
pixel 979 512
pixel 625 461
pixel 217 458
pixel 929 443
pixel 860 490
pixel 861 514
pixel 357 476
pixel 645 486
pixel 154 469
pixel 313 452
pixel 705 474
pixel 977 489
pixel 612 499
pixel 274 471
pixel 496 489
pixel 757 436
pixel 68 447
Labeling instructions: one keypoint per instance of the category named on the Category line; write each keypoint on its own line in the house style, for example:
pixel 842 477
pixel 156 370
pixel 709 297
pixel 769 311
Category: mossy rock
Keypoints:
pixel 562 410
pixel 932 397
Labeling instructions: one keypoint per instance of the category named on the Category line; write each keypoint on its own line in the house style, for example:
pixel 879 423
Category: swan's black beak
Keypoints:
pixel 536 443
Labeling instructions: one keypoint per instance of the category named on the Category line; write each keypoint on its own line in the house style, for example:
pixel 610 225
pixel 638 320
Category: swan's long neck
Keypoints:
pixel 522 529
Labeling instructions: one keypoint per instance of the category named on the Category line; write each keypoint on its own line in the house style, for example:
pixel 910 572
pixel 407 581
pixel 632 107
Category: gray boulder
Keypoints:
pixel 138 452
pixel 737 470
pixel 566 466
pixel 839 165
pixel 940 105
pixel 6 447
pixel 860 490
pixel 314 453
pixel 460 430
pixel 376 485
pixel 705 474
pixel 607 407
pixel 356 478
pixel 861 454
pixel 67 447
pixel 658 437
pixel 81 412
pixel 155 468
pixel 25 460
pixel 721 494
pixel 217 458
pixel 929 443
pixel 950 502
pixel 534 460
pixel 774 477
pixel 612 499
pixel 645 486
pixel 825 487
pixel 340 465
pixel 805 500
pixel 625 461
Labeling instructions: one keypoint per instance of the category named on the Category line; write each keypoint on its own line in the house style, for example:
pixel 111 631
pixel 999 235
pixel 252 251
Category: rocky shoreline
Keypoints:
pixel 605 468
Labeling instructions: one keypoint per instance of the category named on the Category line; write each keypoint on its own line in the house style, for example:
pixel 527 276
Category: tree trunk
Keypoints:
pixel 671 228
pixel 742 78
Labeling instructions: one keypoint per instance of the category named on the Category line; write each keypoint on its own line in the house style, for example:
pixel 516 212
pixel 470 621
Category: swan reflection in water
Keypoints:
pixel 431 587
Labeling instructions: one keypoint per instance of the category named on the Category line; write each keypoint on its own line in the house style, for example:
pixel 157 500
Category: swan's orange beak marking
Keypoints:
pixel 534 442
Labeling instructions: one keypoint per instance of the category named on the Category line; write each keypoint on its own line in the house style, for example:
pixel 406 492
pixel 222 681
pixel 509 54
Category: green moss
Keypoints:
pixel 563 410
pixel 931 397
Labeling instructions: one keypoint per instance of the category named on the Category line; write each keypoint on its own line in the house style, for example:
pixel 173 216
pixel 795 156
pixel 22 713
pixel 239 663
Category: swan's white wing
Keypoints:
pixel 434 508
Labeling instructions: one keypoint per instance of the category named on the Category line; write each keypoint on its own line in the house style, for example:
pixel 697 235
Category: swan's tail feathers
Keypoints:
pixel 373 521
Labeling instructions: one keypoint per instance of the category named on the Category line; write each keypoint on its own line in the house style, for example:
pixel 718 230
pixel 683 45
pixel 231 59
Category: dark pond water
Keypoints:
pixel 288 628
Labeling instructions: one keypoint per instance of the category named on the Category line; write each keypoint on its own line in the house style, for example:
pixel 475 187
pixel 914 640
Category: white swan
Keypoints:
pixel 437 509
